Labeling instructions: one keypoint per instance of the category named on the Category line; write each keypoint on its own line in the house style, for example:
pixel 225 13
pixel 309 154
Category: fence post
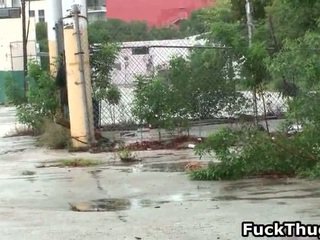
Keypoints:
pixel 78 79
pixel 24 46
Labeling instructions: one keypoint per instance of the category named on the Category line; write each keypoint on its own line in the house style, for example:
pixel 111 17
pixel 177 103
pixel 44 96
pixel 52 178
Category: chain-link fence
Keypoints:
pixel 16 51
pixel 206 99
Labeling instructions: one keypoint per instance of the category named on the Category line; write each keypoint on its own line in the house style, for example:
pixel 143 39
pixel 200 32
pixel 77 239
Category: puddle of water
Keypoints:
pixel 261 183
pixel 123 164
pixel 112 204
pixel 31 179
pixel 235 198
pixel 167 154
pixel 28 173
pixel 96 177
pixel 283 191
pixel 13 151
pixel 165 167
pixel 168 167
pixel 122 204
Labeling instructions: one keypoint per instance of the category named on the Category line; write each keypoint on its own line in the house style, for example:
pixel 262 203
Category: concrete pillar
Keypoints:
pixel 54 15
pixel 78 76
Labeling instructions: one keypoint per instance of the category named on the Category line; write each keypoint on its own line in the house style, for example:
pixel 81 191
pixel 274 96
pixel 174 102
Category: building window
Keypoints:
pixel 41 16
pixel 140 51
pixel 15 3
pixel 31 13
pixel 2 4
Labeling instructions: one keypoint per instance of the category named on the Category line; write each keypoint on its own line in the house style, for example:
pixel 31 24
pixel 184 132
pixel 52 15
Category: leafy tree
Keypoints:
pixel 291 19
pixel 195 88
pixel 285 50
pixel 115 30
pixel 195 24
pixel 102 63
pixel 98 33
pixel 153 103
pixel 164 33
pixel 258 7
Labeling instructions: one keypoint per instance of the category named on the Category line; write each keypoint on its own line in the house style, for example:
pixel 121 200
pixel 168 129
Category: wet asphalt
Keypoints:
pixel 152 199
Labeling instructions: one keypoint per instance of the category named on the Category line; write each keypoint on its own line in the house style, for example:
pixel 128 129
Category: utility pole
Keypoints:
pixel 250 32
pixel 24 45
pixel 78 73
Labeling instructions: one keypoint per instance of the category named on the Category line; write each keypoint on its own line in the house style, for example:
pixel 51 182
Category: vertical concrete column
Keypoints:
pixel 78 74
pixel 54 15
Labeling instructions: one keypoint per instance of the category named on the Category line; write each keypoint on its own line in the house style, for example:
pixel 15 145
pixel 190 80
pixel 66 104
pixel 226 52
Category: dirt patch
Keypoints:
pixel 102 205
pixel 72 163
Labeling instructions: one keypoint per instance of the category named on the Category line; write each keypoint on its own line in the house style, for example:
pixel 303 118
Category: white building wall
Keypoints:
pixel 11 51
pixel 36 6
pixel 11 44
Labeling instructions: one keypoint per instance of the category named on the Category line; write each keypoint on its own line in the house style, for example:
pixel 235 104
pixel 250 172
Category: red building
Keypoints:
pixel 154 12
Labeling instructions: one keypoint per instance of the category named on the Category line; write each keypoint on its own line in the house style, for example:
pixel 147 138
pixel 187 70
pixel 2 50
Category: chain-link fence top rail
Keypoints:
pixel 208 98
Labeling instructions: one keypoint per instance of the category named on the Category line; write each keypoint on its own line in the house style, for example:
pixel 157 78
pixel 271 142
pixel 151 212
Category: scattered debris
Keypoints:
pixel 193 166
pixel 177 143
pixel 128 134
pixel 180 166
pixel 294 129
pixel 191 146
pixel 127 155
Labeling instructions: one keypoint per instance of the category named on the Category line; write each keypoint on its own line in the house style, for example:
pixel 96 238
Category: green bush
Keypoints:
pixel 41 102
pixel 311 173
pixel 249 152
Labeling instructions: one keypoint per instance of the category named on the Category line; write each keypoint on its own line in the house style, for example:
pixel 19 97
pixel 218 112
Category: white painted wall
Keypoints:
pixel 11 44
pixel 11 52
